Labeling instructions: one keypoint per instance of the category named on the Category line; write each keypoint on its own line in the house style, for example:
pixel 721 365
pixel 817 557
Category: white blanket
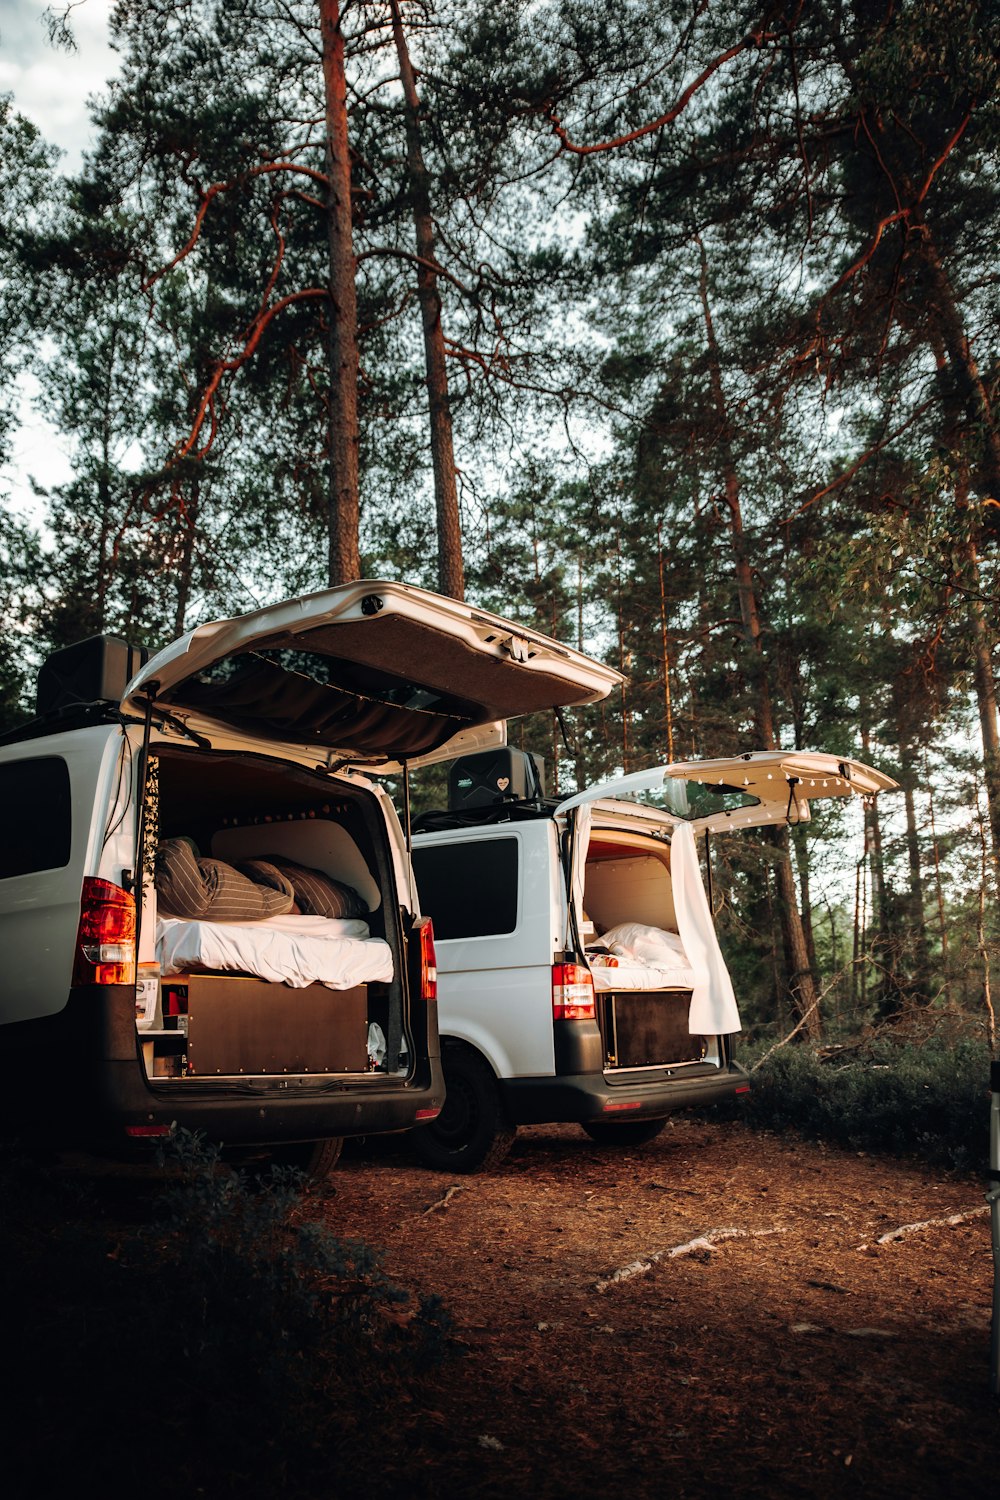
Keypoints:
pixel 286 950
pixel 628 976
pixel 648 958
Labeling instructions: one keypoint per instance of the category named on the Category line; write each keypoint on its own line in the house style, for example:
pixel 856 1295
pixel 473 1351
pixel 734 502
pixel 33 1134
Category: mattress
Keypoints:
pixel 293 950
pixel 628 976
pixel 644 958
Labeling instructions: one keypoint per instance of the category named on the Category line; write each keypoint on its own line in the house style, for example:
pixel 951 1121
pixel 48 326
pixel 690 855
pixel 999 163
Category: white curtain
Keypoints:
pixel 713 1003
pixel 581 843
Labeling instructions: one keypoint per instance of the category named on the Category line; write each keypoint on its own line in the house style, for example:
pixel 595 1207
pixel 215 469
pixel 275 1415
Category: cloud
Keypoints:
pixel 52 86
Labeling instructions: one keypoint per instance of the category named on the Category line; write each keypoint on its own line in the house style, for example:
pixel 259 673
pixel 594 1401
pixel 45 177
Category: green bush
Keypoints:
pixel 929 1100
pixel 198 1332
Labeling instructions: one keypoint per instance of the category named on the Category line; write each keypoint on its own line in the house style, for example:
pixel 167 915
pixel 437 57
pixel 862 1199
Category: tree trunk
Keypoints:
pixel 343 510
pixel 982 634
pixel 664 649
pixel 801 846
pixel 966 373
pixel 986 700
pixel 801 981
pixel 938 888
pixel 920 984
pixel 451 574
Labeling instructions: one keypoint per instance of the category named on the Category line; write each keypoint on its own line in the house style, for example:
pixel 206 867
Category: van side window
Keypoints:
pixel 470 890
pixel 35 807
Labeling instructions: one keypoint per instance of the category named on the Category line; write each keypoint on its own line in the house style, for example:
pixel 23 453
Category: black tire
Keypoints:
pixel 471 1133
pixel 314 1159
pixel 628 1133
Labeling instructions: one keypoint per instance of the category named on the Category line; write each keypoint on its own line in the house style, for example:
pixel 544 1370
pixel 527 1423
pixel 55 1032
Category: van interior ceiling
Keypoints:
pixel 628 880
pixel 237 807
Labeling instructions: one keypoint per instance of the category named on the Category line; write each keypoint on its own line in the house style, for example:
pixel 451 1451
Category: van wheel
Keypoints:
pixel 628 1133
pixel 471 1132
pixel 314 1159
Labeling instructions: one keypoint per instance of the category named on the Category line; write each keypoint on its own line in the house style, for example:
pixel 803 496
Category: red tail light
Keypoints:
pixel 105 942
pixel 572 993
pixel 428 961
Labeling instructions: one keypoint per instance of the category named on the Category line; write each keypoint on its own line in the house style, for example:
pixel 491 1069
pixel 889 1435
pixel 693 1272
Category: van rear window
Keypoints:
pixel 34 796
pixel 470 890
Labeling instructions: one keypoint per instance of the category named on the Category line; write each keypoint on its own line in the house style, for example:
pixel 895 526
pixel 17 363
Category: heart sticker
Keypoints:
pixel 503 782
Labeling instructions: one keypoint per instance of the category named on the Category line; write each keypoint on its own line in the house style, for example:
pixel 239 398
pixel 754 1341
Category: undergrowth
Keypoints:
pixel 201 1334
pixel 926 1099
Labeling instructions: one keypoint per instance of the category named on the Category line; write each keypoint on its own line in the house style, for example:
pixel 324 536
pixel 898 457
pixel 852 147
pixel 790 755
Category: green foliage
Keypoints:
pixel 281 1287
pixel 929 1101
pixel 228 1342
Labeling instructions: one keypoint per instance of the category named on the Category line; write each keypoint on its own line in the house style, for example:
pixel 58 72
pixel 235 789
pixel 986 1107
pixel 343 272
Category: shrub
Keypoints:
pixel 929 1100
pixel 231 1345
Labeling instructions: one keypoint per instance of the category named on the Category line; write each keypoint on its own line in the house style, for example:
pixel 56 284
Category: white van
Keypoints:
pixel 579 973
pixel 252 739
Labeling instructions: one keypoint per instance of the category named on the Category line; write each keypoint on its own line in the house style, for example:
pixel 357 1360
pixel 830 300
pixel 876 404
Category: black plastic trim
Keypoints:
pixel 82 1081
pixel 544 1101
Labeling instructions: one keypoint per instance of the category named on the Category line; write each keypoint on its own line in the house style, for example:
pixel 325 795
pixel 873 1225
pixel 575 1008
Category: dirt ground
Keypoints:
pixel 794 1355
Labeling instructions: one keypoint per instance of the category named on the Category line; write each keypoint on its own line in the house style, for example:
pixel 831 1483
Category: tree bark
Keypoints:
pixel 664 649
pixel 917 918
pixel 451 573
pixel 938 887
pixel 343 506
pixel 965 370
pixel 801 847
pixel 986 701
pixel 801 980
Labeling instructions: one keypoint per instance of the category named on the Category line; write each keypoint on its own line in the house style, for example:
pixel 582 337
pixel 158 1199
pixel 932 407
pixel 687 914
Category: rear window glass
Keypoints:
pixel 470 890
pixel 34 796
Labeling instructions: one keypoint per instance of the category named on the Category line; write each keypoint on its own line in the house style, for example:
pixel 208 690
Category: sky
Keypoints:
pixel 51 87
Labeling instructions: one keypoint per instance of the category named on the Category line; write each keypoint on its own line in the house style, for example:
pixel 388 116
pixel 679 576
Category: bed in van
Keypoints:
pixel 580 976
pixel 207 915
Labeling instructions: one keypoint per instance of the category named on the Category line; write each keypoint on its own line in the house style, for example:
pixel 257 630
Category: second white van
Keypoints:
pixel 580 976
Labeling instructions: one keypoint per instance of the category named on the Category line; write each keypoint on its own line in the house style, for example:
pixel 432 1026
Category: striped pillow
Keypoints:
pixel 207 889
pixel 316 893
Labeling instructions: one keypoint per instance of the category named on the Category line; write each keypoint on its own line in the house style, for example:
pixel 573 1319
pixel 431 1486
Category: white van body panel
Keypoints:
pixel 40 911
pixel 495 992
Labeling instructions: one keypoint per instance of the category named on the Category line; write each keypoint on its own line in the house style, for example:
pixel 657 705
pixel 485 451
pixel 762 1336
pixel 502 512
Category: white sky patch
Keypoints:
pixel 51 87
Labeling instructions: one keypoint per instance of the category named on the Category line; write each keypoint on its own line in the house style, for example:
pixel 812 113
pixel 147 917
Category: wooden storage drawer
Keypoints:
pixel 250 1026
pixel 649 1028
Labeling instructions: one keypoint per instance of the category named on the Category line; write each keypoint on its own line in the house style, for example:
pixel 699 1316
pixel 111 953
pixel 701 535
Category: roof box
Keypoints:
pixel 96 670
pixel 493 776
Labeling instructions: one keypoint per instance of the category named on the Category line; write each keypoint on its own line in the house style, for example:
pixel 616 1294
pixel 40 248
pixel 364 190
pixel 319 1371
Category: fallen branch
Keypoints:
pixel 690 1247
pixel 947 1223
pixel 442 1202
pixel 786 1039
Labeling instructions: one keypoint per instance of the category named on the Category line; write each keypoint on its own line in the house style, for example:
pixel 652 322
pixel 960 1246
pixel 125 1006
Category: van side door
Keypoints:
pixel 494 897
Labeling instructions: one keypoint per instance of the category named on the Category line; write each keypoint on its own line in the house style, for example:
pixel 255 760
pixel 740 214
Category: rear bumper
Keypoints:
pixel 576 1098
pixel 81 1077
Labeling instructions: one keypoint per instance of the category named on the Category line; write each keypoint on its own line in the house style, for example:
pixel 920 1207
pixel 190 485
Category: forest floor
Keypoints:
pixel 791 1354
pixel 716 1312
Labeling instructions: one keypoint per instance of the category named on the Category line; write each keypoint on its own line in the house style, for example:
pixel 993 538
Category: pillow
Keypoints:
pixel 653 946
pixel 316 893
pixel 208 889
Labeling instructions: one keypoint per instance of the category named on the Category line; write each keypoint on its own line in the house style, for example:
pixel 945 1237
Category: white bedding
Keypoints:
pixel 647 958
pixel 628 976
pixel 286 950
